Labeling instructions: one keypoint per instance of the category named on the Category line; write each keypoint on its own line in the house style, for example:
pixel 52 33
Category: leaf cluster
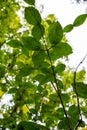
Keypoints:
pixel 43 91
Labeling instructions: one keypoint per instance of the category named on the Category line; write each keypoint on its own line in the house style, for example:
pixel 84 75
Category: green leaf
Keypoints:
pixel 84 110
pixel 27 85
pixel 65 97
pixel 42 78
pixel 45 77
pixel 48 74
pixel 60 68
pixel 60 113
pixel 40 88
pixel 38 58
pixel 63 124
pixel 25 71
pixel 32 16
pixel 73 110
pixel 32 110
pixel 68 28
pixel 44 66
pixel 25 125
pixel 31 2
pixel 12 90
pixel 3 87
pixel 14 43
pixel 25 51
pixel 55 33
pixel 60 84
pixel 38 31
pixel 80 20
pixel 31 43
pixel 53 97
pixel 2 71
pixel 81 89
pixel 49 121
pixel 74 115
pixel 60 50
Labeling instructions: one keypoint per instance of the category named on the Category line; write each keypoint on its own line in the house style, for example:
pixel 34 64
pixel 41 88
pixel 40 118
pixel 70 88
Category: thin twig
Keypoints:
pixel 78 103
pixel 80 63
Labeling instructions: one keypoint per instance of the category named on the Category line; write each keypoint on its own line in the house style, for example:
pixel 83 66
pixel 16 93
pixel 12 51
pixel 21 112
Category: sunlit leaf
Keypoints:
pixel 38 31
pixel 68 28
pixel 84 110
pixel 32 16
pixel 55 33
pixel 60 50
pixel 51 18
pixel 1 93
pixel 31 2
pixel 31 43
pixel 84 128
pixel 80 20
pixel 25 109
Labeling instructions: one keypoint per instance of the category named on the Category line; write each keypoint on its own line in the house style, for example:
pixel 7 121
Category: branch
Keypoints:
pixel 80 63
pixel 58 90
pixel 78 123
pixel 78 103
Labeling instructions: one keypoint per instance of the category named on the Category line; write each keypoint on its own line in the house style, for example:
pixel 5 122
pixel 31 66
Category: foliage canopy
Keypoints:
pixel 45 94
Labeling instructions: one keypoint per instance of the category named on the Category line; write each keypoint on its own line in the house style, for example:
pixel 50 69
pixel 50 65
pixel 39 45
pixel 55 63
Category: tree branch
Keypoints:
pixel 78 123
pixel 58 90
pixel 78 103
